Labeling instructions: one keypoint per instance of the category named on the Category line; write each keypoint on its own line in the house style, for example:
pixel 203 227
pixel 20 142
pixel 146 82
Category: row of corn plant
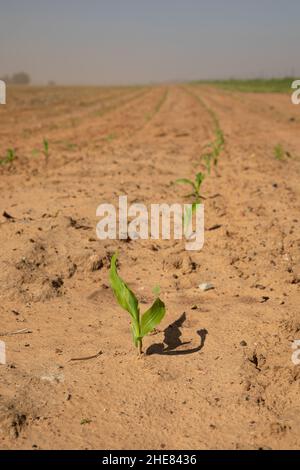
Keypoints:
pixel 11 154
pixel 209 158
pixel 214 150
pixel 143 324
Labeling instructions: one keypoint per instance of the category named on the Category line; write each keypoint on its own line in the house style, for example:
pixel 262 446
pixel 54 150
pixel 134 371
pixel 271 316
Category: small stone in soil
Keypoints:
pixel 206 286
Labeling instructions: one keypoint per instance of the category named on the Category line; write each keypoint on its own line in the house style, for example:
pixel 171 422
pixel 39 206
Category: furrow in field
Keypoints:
pixel 259 246
pixel 92 132
pixel 34 113
pixel 38 127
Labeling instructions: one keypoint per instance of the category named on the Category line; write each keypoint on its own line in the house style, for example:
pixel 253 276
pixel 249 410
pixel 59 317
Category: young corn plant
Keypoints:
pixel 216 148
pixel 279 152
pixel 207 158
pixel 196 186
pixel 46 150
pixel 218 145
pixel 110 137
pixel 9 157
pixel 141 324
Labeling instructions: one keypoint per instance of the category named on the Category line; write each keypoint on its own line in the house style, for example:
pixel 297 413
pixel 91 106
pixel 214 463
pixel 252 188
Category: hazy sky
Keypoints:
pixel 127 41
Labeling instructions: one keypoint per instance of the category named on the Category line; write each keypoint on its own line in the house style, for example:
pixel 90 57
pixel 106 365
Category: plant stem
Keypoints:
pixel 140 346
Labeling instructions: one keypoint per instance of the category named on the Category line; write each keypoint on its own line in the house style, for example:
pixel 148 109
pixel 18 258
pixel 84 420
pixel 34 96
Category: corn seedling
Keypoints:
pixel 279 152
pixel 9 157
pixel 85 421
pixel 207 162
pixel 46 149
pixel 141 324
pixel 218 145
pixel 196 185
pixel 110 137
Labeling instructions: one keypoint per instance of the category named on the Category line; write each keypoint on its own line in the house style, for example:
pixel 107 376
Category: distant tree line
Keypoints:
pixel 20 78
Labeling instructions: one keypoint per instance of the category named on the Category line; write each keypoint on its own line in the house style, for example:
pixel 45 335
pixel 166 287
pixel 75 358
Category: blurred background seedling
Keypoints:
pixel 218 145
pixel 207 162
pixel 279 152
pixel 35 152
pixel 9 157
pixel 46 150
pixel 215 149
pixel 110 137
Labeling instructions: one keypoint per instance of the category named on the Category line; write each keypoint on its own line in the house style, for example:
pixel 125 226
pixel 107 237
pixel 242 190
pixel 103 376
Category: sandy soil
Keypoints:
pixel 218 372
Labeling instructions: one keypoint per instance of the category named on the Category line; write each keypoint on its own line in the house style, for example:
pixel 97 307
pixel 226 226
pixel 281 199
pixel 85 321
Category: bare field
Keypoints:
pixel 218 372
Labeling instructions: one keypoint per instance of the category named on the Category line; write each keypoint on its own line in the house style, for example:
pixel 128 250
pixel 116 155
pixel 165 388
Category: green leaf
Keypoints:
pixel 185 181
pixel 152 317
pixel 135 334
pixel 125 298
pixel 207 161
pixel 199 180
pixel 188 215
pixel 123 294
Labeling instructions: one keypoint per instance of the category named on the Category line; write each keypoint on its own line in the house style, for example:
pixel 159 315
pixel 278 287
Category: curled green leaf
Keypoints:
pixel 152 317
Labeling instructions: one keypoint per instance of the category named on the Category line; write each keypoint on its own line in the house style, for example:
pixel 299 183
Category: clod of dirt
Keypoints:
pixel 155 248
pixel 15 312
pixel 78 225
pixel 57 283
pixel 264 299
pixel 12 419
pixel 95 263
pixel 258 360
pixel 17 424
pixel 8 216
pixel 183 262
pixel 127 239
pixel 72 270
pixel 259 286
